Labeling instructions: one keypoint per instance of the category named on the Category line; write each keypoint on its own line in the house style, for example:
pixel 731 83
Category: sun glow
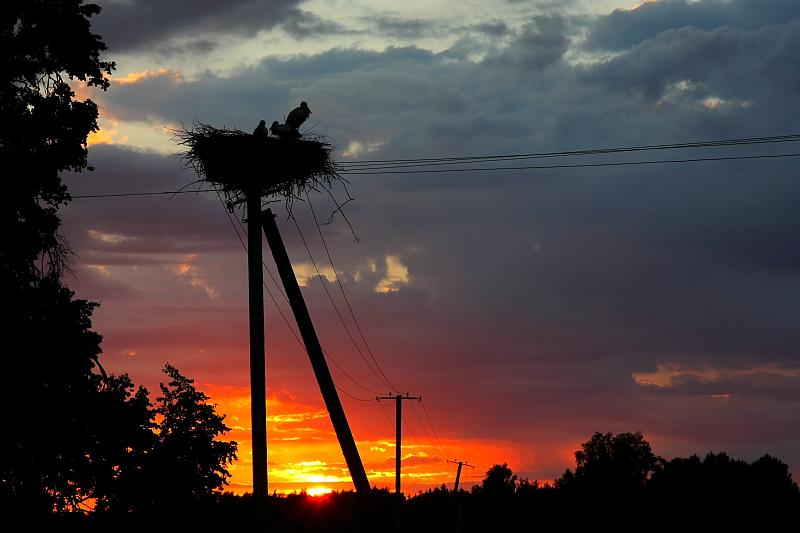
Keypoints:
pixel 319 491
pixel 304 455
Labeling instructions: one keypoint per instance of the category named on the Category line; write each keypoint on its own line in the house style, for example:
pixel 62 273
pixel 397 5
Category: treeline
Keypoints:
pixel 618 485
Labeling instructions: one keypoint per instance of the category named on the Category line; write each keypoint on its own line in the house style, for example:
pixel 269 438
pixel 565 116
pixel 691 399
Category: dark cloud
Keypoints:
pixel 624 28
pixel 305 24
pixel 539 44
pixel 725 62
pixel 493 29
pixel 197 47
pixel 389 25
pixel 148 24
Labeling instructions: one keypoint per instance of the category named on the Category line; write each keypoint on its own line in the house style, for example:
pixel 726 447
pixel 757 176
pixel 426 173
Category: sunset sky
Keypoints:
pixel 528 308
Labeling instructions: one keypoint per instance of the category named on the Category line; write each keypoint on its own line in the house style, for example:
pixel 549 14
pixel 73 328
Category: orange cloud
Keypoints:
pixel 673 374
pixel 136 77
pixel 107 134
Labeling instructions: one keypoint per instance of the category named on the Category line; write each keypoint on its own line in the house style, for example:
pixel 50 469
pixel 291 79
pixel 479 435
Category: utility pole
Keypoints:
pixel 258 369
pixel 398 398
pixel 451 522
pixel 315 355
pixel 398 424
pixel 458 472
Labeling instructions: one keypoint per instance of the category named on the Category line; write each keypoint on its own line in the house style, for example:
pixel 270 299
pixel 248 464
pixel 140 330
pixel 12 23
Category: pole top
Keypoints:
pixel 398 397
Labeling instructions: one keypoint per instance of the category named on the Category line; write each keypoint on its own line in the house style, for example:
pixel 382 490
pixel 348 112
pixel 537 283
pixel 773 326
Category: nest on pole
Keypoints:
pixel 236 162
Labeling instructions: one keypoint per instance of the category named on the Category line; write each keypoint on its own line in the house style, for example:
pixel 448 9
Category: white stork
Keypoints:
pixel 298 115
pixel 261 130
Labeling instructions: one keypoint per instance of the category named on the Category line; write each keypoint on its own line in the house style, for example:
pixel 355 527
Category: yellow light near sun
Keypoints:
pixel 318 491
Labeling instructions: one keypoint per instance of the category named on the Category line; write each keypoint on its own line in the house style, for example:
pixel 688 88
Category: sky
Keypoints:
pixel 528 308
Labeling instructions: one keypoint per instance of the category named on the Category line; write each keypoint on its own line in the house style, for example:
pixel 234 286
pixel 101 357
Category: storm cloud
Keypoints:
pixel 137 24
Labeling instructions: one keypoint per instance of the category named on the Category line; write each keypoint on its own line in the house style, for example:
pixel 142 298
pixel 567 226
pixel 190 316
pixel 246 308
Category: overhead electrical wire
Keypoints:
pixel 336 308
pixel 421 458
pixel 263 263
pixel 425 431
pixel 433 428
pixel 388 418
pixel 573 165
pixel 377 163
pixel 346 299
pixel 478 169
pixel 291 329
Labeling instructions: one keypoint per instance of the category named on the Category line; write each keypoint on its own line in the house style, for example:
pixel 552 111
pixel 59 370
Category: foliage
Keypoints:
pixel 622 462
pixel 191 461
pixel 500 481
pixel 44 45
pixel 52 459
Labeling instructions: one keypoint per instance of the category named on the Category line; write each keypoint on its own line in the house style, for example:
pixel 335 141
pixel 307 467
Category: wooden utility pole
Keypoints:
pixel 453 522
pixel 458 472
pixel 315 354
pixel 398 398
pixel 258 369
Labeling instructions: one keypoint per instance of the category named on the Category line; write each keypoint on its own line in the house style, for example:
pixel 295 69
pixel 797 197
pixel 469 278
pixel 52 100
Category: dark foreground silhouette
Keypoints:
pixel 617 485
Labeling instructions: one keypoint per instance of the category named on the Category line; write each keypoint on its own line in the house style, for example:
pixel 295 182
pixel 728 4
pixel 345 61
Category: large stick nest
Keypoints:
pixel 235 162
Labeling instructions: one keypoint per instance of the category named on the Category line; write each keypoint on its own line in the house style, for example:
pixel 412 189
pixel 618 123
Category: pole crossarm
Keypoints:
pixel 399 397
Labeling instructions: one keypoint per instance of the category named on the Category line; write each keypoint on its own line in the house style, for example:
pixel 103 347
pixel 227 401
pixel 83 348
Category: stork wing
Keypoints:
pixel 295 118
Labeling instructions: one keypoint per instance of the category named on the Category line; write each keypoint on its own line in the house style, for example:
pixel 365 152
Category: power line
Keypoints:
pixel 126 194
pixel 575 165
pixel 291 329
pixel 388 418
pixel 244 246
pixel 589 151
pixel 433 428
pixel 333 303
pixel 425 431
pixel 263 263
pixel 346 299
pixel 414 436
pixel 484 169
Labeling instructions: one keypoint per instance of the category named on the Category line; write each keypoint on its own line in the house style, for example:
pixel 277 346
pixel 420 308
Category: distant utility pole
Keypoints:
pixel 458 472
pixel 453 522
pixel 398 398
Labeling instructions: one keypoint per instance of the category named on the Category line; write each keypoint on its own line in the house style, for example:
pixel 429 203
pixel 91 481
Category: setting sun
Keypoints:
pixel 319 491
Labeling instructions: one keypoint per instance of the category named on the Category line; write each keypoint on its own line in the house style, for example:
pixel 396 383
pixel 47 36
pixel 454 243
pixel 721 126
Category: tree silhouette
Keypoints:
pixel 499 481
pixel 190 461
pixel 44 44
pixel 48 458
pixel 622 462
